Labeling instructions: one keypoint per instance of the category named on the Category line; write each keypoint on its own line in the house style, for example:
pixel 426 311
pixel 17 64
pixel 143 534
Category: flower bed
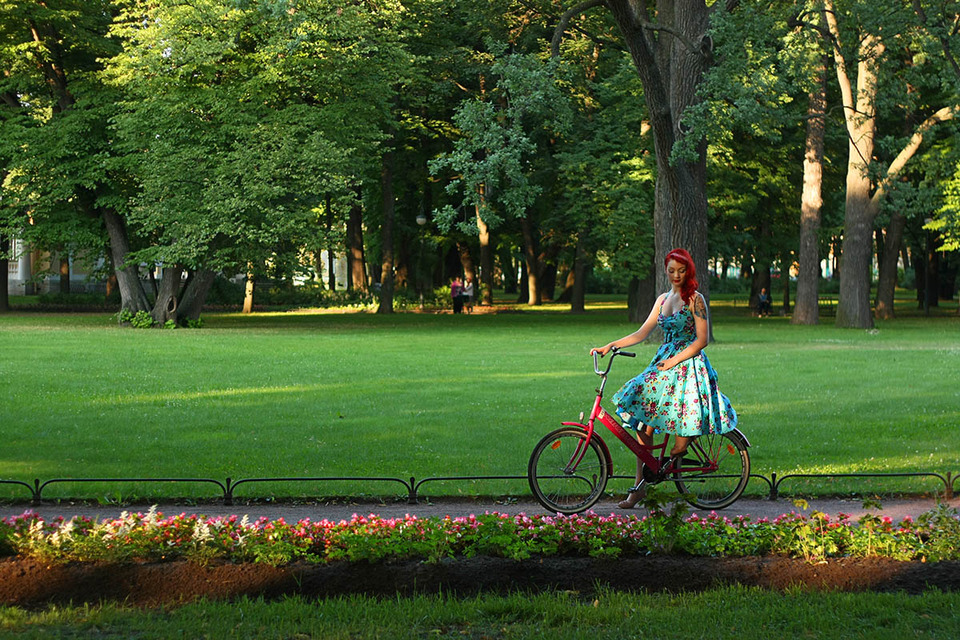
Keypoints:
pixel 154 537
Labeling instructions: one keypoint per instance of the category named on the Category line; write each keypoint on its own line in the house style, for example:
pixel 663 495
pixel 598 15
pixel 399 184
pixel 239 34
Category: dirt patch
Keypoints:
pixel 30 583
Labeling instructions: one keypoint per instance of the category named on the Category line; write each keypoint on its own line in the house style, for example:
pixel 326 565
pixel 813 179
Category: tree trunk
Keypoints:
pixel 579 272
pixel 641 297
pixel 331 254
pixel 524 296
pixel 853 309
pixel 887 283
pixel 531 261
pixel 4 274
pixel 466 261
pixel 785 280
pixel 248 290
pixel 761 280
pixel 509 269
pixel 356 263
pixel 386 235
pixel 194 295
pixel 807 309
pixel 65 273
pixel 931 278
pixel 132 296
pixel 671 66
pixel 165 307
pixel 486 260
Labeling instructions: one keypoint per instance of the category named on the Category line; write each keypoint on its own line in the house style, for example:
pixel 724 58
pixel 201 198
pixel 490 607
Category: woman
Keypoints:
pixel 677 393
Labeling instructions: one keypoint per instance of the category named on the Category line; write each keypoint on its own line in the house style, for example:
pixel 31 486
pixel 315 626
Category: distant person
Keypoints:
pixel 677 393
pixel 764 305
pixel 456 294
pixel 468 295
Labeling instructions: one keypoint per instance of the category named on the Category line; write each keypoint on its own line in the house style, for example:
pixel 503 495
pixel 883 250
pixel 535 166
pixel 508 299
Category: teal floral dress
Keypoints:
pixel 684 400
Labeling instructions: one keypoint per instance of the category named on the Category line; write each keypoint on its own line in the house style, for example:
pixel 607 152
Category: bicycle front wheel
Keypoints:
pixel 566 474
pixel 725 466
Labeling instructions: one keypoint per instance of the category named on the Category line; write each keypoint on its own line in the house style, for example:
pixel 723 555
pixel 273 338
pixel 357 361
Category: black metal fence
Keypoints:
pixel 412 486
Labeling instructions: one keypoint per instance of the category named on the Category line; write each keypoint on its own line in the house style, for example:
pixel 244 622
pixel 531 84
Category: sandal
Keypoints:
pixel 635 495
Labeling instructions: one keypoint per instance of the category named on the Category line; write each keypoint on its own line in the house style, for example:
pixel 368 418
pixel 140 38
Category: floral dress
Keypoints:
pixel 684 400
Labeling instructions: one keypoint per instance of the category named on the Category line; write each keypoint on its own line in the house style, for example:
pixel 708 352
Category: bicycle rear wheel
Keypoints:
pixel 565 475
pixel 721 486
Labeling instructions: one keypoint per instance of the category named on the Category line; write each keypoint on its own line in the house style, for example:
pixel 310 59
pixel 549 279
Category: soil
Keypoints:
pixel 31 583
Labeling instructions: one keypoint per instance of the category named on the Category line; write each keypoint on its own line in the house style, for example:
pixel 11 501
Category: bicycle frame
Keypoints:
pixel 643 452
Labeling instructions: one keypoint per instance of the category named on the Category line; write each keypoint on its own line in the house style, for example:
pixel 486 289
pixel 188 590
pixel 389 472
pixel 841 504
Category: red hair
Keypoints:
pixel 690 283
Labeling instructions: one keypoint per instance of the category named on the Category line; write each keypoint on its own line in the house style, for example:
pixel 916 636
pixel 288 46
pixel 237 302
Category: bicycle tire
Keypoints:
pixel 554 484
pixel 719 488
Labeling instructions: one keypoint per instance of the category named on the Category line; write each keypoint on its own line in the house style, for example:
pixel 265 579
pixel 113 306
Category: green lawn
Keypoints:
pixel 326 394
pixel 734 612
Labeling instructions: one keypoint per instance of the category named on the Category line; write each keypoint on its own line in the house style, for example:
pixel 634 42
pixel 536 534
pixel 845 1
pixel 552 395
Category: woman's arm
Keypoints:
pixel 699 308
pixel 637 336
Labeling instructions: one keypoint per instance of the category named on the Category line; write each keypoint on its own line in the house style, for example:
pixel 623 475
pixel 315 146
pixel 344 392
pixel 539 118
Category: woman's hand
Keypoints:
pixel 666 365
pixel 604 350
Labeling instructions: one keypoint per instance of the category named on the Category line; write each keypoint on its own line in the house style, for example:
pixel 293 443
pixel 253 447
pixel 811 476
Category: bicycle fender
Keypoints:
pixel 740 433
pixel 595 436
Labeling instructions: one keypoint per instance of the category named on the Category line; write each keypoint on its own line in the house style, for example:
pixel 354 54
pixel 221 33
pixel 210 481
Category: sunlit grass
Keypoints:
pixel 441 395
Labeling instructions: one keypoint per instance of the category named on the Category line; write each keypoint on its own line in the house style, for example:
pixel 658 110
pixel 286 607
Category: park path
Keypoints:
pixel 896 509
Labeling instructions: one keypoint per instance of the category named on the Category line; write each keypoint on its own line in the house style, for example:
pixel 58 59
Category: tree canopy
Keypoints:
pixel 537 146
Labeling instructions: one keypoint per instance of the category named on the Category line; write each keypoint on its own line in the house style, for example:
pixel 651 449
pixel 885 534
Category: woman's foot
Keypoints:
pixel 635 496
pixel 672 464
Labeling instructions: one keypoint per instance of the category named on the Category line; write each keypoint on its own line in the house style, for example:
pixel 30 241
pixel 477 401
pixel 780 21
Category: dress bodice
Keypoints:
pixel 678 328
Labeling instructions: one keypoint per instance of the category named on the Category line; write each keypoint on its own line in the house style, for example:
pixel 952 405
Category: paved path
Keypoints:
pixel 897 509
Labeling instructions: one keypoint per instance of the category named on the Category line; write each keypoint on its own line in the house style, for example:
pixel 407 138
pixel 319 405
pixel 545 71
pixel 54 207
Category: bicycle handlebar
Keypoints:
pixel 614 352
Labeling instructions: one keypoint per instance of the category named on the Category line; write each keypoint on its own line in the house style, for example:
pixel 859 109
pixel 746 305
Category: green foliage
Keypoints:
pixel 606 169
pixel 947 219
pixel 54 150
pixel 491 160
pixel 153 537
pixel 138 320
pixel 240 119
pixel 142 320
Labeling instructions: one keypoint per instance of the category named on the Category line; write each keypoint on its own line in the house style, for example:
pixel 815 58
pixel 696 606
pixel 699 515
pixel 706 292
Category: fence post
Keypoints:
pixel 412 491
pixel 773 486
pixel 228 494
pixel 948 494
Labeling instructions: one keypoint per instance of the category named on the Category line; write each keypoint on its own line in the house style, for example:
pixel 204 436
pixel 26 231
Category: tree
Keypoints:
pixel 606 169
pixel 807 309
pixel 861 72
pixel 59 183
pixel 240 120
pixel 491 162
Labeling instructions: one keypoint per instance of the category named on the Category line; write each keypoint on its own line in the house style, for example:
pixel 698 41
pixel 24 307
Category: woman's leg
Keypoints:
pixel 645 436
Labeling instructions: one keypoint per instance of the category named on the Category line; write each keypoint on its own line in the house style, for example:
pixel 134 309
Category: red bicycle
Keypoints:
pixel 570 466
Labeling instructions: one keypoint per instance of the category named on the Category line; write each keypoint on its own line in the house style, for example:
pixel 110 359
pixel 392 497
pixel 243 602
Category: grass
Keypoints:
pixel 731 612
pixel 324 394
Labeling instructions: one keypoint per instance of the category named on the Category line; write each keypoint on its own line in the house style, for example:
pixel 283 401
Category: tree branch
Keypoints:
pixel 565 20
pixel 944 114
pixel 676 34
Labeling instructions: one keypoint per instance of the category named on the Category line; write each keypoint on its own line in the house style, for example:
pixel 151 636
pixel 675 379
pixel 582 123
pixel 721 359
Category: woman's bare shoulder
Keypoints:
pixel 698 304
